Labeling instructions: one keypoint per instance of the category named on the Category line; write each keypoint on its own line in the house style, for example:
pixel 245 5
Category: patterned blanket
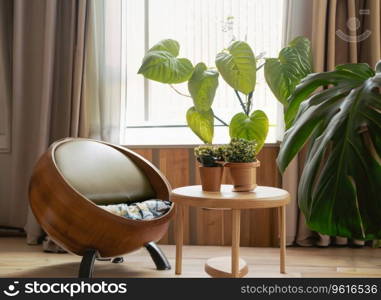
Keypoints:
pixel 146 210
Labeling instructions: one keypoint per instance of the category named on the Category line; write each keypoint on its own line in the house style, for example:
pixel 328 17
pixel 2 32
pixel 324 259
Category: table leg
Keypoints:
pixel 179 237
pixel 282 237
pixel 236 219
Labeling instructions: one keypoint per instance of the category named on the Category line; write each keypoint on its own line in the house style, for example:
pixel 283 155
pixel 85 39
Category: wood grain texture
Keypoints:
pixel 282 238
pixel 210 223
pixel 220 267
pixel 77 224
pixel 228 198
pixel 174 163
pixel 17 259
pixel 236 233
pixel 179 237
pixel 146 153
pixel 259 227
pixel 261 197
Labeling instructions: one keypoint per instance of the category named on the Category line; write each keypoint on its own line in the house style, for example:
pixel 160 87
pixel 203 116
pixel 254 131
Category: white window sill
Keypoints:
pixel 178 136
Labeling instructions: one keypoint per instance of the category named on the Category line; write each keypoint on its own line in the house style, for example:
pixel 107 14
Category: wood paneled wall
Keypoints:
pixel 213 227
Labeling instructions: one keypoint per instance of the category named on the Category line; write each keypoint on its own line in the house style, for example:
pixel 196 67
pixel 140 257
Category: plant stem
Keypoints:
pixel 180 93
pixel 249 102
pixel 223 122
pixel 240 101
pixel 260 67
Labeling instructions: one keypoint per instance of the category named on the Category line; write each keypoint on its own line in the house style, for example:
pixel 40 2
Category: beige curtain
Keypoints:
pixel 101 80
pixel 45 86
pixel 104 83
pixel 345 31
pixel 342 31
pixel 5 58
pixel 297 22
pixel 61 75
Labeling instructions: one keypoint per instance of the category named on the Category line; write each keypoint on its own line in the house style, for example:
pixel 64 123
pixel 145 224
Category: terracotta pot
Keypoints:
pixel 211 178
pixel 243 175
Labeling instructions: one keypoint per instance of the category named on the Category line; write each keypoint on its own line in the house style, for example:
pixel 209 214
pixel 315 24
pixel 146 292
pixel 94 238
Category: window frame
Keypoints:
pixel 146 97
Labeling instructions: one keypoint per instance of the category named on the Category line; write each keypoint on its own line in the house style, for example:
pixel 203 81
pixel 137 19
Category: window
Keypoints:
pixel 155 114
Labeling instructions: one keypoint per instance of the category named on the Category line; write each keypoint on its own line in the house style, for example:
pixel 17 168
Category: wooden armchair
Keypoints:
pixel 75 176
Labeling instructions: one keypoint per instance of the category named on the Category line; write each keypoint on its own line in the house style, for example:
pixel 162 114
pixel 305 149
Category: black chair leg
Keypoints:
pixel 87 264
pixel 117 260
pixel 158 256
pixel 102 259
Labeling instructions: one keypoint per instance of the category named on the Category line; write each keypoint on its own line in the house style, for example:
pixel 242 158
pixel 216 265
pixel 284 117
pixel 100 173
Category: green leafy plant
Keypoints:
pixel 252 128
pixel 237 65
pixel 161 63
pixel 285 72
pixel 208 155
pixel 340 187
pixel 240 151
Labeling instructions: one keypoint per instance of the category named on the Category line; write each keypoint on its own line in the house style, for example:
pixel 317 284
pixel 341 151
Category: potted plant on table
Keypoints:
pixel 211 167
pixel 238 66
pixel 240 158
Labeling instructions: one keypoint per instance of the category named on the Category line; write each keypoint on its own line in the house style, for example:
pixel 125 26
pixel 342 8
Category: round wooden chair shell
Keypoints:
pixel 75 176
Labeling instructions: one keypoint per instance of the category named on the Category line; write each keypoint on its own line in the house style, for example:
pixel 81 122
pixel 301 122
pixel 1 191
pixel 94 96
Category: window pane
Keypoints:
pixel 203 28
pixel 135 32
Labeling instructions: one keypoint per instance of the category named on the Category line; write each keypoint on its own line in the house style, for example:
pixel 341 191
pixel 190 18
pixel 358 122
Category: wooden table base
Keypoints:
pixel 263 197
pixel 220 267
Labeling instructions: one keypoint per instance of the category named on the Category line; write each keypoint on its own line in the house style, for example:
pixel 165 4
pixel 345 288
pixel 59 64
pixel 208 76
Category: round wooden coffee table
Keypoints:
pixel 261 197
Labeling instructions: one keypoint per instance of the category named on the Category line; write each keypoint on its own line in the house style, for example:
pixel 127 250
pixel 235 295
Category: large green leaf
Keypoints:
pixel 340 187
pixel 303 46
pixel 202 86
pixel 343 77
pixel 162 64
pixel 238 66
pixel 171 46
pixel 294 62
pixel 201 123
pixel 250 128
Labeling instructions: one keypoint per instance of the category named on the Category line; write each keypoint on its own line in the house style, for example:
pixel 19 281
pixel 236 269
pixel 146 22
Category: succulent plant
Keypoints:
pixel 240 150
pixel 209 155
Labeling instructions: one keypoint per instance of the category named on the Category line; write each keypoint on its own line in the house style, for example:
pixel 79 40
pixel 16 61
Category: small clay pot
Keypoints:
pixel 211 178
pixel 243 175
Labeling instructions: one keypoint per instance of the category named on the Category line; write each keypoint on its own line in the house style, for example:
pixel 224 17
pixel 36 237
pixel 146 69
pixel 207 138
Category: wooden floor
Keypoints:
pixel 19 260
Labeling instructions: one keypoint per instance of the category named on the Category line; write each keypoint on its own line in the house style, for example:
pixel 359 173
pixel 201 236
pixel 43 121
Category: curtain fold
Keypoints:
pixel 5 77
pixel 46 40
pixel 103 70
pixel 341 31
pixel 345 32
pixel 296 22
pixel 62 77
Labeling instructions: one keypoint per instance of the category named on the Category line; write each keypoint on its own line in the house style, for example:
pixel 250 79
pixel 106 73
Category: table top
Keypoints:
pixel 261 197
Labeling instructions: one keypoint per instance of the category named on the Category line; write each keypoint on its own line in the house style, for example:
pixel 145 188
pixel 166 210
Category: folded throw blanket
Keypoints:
pixel 146 210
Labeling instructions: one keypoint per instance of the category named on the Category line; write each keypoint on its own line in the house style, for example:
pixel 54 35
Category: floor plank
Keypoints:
pixel 20 260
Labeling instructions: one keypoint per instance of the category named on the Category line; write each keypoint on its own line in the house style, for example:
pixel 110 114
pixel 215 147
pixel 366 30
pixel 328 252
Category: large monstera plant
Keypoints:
pixel 338 114
pixel 237 65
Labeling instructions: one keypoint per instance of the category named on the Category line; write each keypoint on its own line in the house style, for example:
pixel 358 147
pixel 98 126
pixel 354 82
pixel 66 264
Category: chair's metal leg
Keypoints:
pixel 87 264
pixel 117 260
pixel 102 259
pixel 158 256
